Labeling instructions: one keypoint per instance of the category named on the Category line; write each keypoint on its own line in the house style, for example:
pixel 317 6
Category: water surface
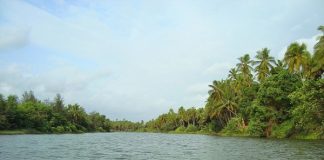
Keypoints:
pixel 138 146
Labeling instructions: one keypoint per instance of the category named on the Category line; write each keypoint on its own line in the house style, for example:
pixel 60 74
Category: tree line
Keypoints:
pixel 48 116
pixel 262 97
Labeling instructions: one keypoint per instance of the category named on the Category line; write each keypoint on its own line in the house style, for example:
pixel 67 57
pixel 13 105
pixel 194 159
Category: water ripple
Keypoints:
pixel 140 146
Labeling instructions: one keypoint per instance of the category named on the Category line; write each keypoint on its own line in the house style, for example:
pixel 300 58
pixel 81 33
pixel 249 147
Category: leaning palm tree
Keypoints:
pixel 296 57
pixel 222 107
pixel 227 107
pixel 264 62
pixel 215 93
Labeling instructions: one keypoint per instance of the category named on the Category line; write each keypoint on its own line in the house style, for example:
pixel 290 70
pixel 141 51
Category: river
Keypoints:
pixel 136 146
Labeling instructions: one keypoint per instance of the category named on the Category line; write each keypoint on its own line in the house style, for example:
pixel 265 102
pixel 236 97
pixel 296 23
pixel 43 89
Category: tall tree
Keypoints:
pixel 3 115
pixel 58 105
pixel 264 62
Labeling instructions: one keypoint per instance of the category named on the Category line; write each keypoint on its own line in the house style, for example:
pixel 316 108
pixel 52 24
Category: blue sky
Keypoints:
pixel 136 59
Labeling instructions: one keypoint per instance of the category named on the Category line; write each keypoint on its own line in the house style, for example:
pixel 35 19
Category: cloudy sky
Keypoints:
pixel 136 59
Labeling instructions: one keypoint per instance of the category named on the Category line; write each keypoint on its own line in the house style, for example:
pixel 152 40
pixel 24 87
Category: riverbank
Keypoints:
pixel 33 131
pixel 311 136
pixel 20 131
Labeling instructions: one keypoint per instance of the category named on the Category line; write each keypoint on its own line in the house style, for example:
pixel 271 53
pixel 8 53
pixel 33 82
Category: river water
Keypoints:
pixel 135 146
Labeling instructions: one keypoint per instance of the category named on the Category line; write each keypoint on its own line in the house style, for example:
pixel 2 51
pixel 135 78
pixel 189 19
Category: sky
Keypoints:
pixel 136 59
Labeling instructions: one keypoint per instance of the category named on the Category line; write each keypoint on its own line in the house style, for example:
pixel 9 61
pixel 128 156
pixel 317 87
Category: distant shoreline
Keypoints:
pixel 32 132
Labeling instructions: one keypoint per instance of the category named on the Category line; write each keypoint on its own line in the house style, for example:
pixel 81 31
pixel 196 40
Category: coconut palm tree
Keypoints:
pixel 318 57
pixel 245 68
pixel 233 74
pixel 76 114
pixel 296 57
pixel 236 80
pixel 264 62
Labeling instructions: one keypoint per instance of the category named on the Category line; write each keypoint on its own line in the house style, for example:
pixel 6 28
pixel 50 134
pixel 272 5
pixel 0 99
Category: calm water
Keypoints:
pixel 154 146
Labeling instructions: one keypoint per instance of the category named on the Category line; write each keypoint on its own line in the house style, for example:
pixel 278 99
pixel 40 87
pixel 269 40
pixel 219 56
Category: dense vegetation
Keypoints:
pixel 34 116
pixel 261 97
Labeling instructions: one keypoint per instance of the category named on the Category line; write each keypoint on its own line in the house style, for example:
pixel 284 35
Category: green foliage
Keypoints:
pixel 274 91
pixel 234 127
pixel 256 127
pixel 127 126
pixel 192 128
pixel 283 130
pixel 308 112
pixel 181 129
pixel 58 129
pixel 43 117
pixel 213 126
pixel 261 118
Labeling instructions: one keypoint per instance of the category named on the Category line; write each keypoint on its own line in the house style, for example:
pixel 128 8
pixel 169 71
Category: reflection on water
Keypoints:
pixel 154 146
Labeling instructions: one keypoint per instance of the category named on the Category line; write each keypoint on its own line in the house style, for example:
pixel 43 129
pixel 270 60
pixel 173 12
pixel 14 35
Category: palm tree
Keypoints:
pixel 279 65
pixel 296 57
pixel 215 93
pixel 181 114
pixel 236 80
pixel 222 102
pixel 76 113
pixel 263 63
pixel 318 57
pixel 245 68
pixel 233 73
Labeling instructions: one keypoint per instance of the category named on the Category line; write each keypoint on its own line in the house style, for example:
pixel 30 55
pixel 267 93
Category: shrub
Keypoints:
pixel 283 130
pixel 234 126
pixel 181 129
pixel 59 129
pixel 73 128
pixel 256 127
pixel 191 128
